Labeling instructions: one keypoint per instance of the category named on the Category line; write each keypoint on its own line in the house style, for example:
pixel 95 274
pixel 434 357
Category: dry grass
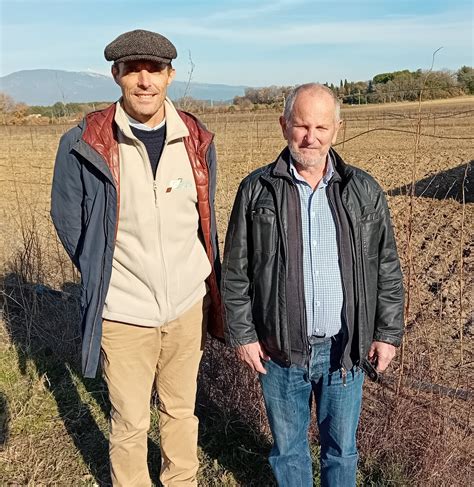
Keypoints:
pixel 54 423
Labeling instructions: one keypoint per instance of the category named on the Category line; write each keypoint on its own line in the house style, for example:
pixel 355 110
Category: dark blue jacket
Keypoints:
pixel 85 207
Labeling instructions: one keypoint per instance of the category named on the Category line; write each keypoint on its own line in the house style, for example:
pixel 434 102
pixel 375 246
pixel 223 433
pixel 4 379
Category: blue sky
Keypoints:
pixel 253 43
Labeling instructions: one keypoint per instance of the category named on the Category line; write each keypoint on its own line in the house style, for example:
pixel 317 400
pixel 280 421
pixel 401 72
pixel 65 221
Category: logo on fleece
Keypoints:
pixel 178 184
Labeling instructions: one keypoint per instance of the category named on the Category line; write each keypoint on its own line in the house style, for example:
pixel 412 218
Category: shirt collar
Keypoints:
pixel 141 126
pixel 175 127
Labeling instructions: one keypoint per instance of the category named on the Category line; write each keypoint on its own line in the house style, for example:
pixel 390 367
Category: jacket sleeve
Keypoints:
pixel 236 283
pixel 390 292
pixel 66 198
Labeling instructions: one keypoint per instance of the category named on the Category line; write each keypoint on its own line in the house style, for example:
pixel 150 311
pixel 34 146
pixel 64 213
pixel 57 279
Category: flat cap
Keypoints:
pixel 140 44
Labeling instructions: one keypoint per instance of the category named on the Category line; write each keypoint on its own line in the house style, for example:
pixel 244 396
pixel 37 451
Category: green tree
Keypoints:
pixel 465 77
pixel 59 109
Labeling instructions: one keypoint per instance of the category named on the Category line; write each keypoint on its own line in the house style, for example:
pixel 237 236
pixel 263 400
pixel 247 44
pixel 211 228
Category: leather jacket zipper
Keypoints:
pixel 358 257
pixel 345 331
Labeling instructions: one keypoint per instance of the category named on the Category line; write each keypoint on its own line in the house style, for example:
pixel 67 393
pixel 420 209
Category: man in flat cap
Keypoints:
pixel 133 205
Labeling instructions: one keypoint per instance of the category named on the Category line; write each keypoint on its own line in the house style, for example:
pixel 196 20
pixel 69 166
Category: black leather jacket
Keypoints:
pixel 262 284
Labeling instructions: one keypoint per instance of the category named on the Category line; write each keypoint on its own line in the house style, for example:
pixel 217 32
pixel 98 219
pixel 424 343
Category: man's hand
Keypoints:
pixel 381 354
pixel 252 354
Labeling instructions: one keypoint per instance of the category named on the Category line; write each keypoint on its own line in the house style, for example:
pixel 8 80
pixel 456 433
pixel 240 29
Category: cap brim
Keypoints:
pixel 144 57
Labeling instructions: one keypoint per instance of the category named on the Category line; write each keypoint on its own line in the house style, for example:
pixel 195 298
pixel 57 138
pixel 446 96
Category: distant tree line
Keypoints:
pixel 67 110
pixel 390 87
pixel 14 113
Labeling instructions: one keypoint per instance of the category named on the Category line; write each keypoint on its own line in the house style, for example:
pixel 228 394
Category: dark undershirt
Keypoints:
pixel 154 141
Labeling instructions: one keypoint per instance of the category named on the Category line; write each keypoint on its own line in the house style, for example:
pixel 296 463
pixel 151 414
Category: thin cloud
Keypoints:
pixel 250 11
pixel 402 31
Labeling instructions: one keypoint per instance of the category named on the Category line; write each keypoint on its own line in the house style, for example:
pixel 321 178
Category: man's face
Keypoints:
pixel 312 128
pixel 144 84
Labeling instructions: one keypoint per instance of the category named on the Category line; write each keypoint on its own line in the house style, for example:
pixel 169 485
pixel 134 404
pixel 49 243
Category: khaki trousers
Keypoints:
pixel 135 357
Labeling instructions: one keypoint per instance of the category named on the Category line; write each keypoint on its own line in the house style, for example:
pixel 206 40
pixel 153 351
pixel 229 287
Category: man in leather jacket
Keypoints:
pixel 133 204
pixel 312 289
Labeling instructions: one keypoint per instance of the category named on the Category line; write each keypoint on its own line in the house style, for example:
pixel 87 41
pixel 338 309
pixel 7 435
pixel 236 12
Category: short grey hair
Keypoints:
pixel 314 87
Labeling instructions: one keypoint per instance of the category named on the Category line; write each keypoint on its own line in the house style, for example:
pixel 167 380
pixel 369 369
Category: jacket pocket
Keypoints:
pixel 369 231
pixel 264 230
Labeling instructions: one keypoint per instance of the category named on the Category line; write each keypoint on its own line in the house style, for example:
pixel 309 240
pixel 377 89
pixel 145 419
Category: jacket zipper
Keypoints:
pixel 155 192
pixel 146 159
pixel 160 229
pixel 364 286
pixel 360 273
pixel 344 293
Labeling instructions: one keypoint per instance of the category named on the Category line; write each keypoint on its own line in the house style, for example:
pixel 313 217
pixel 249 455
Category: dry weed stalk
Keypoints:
pixel 461 269
pixel 416 147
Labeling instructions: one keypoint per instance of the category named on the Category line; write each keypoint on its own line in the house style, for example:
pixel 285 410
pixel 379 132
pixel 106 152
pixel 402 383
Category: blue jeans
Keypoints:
pixel 288 391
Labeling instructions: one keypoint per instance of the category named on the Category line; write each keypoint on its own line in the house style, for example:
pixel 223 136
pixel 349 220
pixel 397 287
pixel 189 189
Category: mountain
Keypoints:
pixel 48 86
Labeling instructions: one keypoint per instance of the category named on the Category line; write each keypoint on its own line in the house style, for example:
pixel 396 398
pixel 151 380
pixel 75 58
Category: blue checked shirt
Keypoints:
pixel 322 274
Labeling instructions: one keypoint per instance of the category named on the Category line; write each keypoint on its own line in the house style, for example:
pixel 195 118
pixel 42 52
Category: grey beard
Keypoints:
pixel 304 162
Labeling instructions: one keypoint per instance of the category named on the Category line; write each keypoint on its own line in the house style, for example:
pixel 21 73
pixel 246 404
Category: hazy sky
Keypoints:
pixel 281 42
